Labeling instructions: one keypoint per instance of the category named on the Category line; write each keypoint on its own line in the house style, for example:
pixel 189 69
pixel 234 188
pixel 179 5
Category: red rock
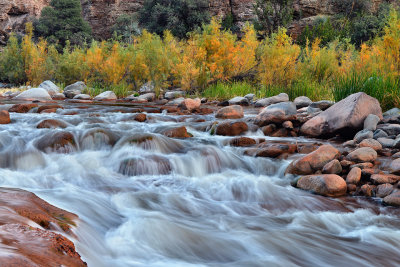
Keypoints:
pixel 392 199
pixel 307 148
pixel 4 117
pixel 22 108
pixel 60 142
pixel 51 124
pixel 367 190
pixel 330 185
pixel 273 150
pixel 363 154
pixel 372 143
pixel 49 110
pixel 242 142
pixel 282 132
pixel 385 178
pixel 395 166
pixel 190 104
pixel 332 167
pixel 230 112
pixel 384 190
pixel 313 161
pixel 269 129
pixel 231 128
pixel 354 176
pixel 42 108
pixel 179 132
pixel 140 117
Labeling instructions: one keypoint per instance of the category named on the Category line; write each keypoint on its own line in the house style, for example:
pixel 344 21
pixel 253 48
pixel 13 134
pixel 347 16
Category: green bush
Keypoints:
pixel 125 27
pixel 177 16
pixel 226 90
pixel 63 21
pixel 12 63
pixel 324 29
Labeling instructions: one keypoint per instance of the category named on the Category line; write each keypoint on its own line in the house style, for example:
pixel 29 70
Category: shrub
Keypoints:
pixel 12 63
pixel 177 16
pixel 125 27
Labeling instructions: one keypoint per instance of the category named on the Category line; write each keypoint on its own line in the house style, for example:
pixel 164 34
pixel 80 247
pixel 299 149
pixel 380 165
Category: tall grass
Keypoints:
pixel 224 90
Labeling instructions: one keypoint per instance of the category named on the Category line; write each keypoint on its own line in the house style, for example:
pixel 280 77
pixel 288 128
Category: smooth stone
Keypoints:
pixel 74 89
pixel 371 122
pixel 106 96
pixel 34 94
pixel 395 166
pixel 354 176
pixel 302 101
pixel 372 143
pixel 250 97
pixel 392 112
pixel 322 105
pixel 82 96
pixel 332 167
pixel 282 97
pixel 390 129
pixel 50 87
pixel 230 112
pixel 148 97
pixel 330 185
pixel 379 134
pixel 147 88
pixel 393 199
pixel 276 113
pixel 363 134
pixel 363 154
pixel 174 94
pixel 239 100
pixel 386 142
pixel 384 190
pixel 385 178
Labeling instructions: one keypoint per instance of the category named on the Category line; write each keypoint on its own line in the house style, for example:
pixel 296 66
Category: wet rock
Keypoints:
pixel 242 142
pixel 97 139
pixel 150 165
pixel 22 108
pixel 322 105
pixel 50 87
pixel 367 190
pixel 351 188
pixel 140 117
pixel 230 112
pixel 385 178
pixel 332 167
pixel 45 107
pixel 390 129
pixel 83 97
pixel 384 190
pixel 273 150
pixel 396 155
pixel 392 199
pixel 147 88
pixel 371 122
pixel 106 96
pixel 372 143
pixel 314 161
pixel 344 117
pixel 52 124
pixel 58 96
pixel 330 185
pixel 354 176
pixel 34 94
pixel 282 97
pixel 231 128
pixel 363 165
pixel 395 166
pixel 288 125
pixel 346 163
pixel 350 143
pixel 224 103
pixel 364 154
pixel 380 134
pixel 4 117
pixel 276 113
pixel 363 134
pixel 386 142
pixel 150 97
pixel 173 94
pixel 74 89
pixel 302 101
pixel 180 132
pixel 190 104
pixel 238 100
pixel 269 129
pixel 60 142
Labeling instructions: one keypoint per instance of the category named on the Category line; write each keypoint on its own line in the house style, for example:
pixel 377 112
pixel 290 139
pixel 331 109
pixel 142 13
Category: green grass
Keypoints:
pixel 223 91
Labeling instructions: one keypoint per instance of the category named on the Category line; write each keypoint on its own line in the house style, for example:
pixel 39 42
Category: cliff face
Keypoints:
pixel 101 14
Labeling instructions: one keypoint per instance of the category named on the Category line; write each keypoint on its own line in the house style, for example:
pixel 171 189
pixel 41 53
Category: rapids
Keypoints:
pixel 148 200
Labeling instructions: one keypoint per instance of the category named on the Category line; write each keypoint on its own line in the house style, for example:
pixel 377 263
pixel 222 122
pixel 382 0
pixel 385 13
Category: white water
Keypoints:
pixel 211 206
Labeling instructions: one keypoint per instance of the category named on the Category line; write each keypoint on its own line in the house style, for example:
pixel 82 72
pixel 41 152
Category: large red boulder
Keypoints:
pixel 345 117
pixel 231 128
pixel 330 185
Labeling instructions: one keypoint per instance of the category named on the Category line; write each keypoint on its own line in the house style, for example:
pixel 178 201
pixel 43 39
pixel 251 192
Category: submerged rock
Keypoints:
pixel 60 142
pixel 51 123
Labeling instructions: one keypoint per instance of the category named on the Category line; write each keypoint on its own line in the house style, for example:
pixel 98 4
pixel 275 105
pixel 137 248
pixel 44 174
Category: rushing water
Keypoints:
pixel 192 202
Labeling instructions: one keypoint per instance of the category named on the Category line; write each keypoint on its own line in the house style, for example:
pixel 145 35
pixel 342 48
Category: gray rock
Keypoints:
pixel 363 134
pixel 384 190
pixel 393 199
pixel 50 87
pixel 379 134
pixel 302 101
pixel 322 105
pixel 364 154
pixel 371 122
pixel 395 166
pixel 33 94
pixel 276 113
pixel 390 129
pixel 107 95
pixel 264 102
pixel 74 89
pixel 174 94
pixel 391 112
pixel 177 101
pixel 82 96
pixel 149 97
pixel 239 100
pixel 250 97
pixel 386 142
pixel 311 110
pixel 147 88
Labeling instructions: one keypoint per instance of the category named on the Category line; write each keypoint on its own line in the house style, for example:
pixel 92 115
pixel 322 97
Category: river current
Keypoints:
pixel 148 200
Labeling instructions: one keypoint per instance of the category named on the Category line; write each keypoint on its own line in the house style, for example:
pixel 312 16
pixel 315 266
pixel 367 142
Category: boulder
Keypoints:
pixel 231 128
pixel 34 94
pixel 173 94
pixel 150 97
pixel 276 113
pixel 344 117
pixel 363 134
pixel 50 87
pixel 330 185
pixel 363 154
pixel 242 142
pixel 371 122
pixel 332 167
pixel 106 96
pixel 239 100
pixel 384 190
pixel 230 112
pixel 282 97
pixel 83 97
pixel 395 166
pixel 190 104
pixel 60 142
pixel 74 89
pixel 179 132
pixel 314 161
pixel 372 143
pixel 147 88
pixel 51 123
pixel 4 117
pixel 302 101
pixel 354 176
pixel 393 199
pixel 22 108
pixel 381 178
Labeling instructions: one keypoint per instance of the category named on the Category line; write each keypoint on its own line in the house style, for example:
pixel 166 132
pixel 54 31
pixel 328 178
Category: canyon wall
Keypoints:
pixel 102 14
